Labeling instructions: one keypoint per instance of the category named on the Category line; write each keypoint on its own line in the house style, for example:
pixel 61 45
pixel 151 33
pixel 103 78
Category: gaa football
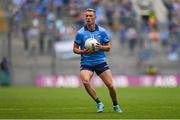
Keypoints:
pixel 91 44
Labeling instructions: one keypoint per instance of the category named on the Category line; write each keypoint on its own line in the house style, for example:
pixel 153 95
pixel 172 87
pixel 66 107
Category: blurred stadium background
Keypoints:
pixel 36 38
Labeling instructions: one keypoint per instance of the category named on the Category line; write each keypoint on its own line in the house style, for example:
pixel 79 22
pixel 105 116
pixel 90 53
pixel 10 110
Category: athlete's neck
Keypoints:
pixel 91 27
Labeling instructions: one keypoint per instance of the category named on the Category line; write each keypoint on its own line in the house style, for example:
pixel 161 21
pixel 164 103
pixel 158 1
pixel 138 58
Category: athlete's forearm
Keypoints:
pixel 77 51
pixel 105 48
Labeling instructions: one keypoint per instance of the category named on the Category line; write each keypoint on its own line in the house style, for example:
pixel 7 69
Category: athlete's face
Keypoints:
pixel 90 17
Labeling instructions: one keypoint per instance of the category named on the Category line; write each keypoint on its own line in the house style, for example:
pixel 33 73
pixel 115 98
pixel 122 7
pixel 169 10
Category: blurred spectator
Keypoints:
pixel 131 36
pixel 122 34
pixel 154 38
pixel 152 20
pixel 145 10
pixel 116 20
pixel 151 70
pixel 60 29
pixel 144 54
pixel 100 12
pixel 109 11
pixel 174 50
pixel 153 35
pixel 50 20
pixel 126 11
pixel 4 72
pixel 79 21
pixel 57 4
pixel 164 37
pixel 173 7
pixel 18 3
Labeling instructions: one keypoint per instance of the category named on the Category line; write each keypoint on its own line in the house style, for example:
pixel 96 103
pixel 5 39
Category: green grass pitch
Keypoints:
pixel 74 103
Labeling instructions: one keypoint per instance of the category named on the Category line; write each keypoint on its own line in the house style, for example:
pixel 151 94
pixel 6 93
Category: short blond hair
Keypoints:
pixel 90 10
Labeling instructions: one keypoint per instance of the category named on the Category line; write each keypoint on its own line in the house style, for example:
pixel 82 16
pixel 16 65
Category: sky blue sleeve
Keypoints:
pixel 105 36
pixel 78 39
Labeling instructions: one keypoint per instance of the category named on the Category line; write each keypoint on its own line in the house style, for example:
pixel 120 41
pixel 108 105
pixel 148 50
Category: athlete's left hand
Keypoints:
pixel 98 46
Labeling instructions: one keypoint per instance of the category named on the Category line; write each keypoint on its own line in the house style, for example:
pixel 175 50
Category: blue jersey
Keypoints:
pixel 96 57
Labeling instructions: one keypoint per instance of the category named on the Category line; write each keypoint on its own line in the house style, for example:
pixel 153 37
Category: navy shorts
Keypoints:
pixel 99 68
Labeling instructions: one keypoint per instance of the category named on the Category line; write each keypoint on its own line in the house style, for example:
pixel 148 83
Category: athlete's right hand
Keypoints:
pixel 86 51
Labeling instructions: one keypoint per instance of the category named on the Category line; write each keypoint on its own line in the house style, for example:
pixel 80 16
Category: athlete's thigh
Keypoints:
pixel 86 75
pixel 106 76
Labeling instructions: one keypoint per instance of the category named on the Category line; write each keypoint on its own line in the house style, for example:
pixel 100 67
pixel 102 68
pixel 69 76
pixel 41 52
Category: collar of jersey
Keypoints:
pixel 86 28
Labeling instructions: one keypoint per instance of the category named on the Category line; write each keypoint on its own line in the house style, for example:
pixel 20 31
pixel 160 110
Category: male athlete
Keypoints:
pixel 94 61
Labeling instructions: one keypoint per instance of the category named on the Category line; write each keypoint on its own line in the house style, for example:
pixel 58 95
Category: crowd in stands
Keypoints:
pixel 60 19
pixel 157 35
pixel 173 28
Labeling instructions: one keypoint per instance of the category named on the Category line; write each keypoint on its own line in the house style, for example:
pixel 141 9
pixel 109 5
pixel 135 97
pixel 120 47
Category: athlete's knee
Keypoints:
pixel 110 86
pixel 85 81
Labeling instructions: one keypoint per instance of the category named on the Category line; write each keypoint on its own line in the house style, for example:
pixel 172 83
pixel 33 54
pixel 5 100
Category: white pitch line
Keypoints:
pixel 43 108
